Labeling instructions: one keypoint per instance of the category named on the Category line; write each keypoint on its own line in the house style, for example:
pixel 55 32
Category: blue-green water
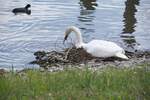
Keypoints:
pixel 126 22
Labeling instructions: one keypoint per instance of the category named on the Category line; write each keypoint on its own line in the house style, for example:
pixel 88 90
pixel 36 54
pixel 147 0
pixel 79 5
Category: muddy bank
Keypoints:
pixel 78 57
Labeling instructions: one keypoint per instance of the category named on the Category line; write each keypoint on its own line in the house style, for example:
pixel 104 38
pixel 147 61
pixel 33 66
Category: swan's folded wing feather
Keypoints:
pixel 100 48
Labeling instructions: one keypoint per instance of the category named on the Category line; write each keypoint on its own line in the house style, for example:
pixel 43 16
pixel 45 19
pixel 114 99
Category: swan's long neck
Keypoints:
pixel 79 41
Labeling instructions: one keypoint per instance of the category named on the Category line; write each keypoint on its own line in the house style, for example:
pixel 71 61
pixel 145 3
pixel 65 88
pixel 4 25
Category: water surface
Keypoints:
pixel 125 22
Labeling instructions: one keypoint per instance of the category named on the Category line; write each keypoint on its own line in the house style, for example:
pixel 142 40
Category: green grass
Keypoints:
pixel 106 84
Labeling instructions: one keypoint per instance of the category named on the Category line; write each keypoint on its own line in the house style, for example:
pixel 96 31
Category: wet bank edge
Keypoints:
pixel 79 58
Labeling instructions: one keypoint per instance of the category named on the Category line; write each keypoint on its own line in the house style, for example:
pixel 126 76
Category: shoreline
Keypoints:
pixel 72 57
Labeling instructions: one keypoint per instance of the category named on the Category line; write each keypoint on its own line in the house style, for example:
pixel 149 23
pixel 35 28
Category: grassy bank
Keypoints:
pixel 109 83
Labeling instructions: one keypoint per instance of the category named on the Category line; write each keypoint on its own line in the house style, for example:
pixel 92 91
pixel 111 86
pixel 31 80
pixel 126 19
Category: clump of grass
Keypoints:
pixel 110 83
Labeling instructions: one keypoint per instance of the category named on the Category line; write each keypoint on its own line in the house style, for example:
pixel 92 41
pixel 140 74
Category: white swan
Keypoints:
pixel 97 48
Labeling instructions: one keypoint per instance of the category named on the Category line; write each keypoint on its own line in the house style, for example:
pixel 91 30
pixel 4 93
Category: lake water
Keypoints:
pixel 126 22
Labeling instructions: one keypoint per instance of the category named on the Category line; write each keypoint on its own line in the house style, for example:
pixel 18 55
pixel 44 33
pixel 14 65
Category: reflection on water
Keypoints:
pixel 22 35
pixel 88 4
pixel 129 23
pixel 129 16
pixel 87 16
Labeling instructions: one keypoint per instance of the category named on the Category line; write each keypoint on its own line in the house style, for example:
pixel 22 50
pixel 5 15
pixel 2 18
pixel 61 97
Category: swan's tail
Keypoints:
pixel 121 55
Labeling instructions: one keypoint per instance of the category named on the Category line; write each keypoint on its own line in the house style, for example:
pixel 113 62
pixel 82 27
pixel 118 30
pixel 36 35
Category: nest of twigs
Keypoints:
pixel 69 55
pixel 77 56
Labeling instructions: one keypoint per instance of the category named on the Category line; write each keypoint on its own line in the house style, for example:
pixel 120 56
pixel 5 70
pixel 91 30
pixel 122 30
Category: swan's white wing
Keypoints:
pixel 101 48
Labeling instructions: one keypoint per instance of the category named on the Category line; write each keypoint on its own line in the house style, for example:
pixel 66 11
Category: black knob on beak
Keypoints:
pixel 65 38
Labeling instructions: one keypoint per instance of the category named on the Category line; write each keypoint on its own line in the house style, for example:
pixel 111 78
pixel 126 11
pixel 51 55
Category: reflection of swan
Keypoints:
pixel 97 48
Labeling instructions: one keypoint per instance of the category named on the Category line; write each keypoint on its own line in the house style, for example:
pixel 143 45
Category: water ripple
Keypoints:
pixel 22 35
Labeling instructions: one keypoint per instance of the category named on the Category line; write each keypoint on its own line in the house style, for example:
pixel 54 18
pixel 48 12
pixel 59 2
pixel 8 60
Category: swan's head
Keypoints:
pixel 76 30
pixel 67 32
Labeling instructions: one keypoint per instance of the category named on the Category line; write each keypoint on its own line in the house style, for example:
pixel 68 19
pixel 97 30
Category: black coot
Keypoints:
pixel 22 10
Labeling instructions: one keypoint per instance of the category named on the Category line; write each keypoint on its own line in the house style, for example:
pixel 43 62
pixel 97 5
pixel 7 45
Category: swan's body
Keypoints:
pixel 97 48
